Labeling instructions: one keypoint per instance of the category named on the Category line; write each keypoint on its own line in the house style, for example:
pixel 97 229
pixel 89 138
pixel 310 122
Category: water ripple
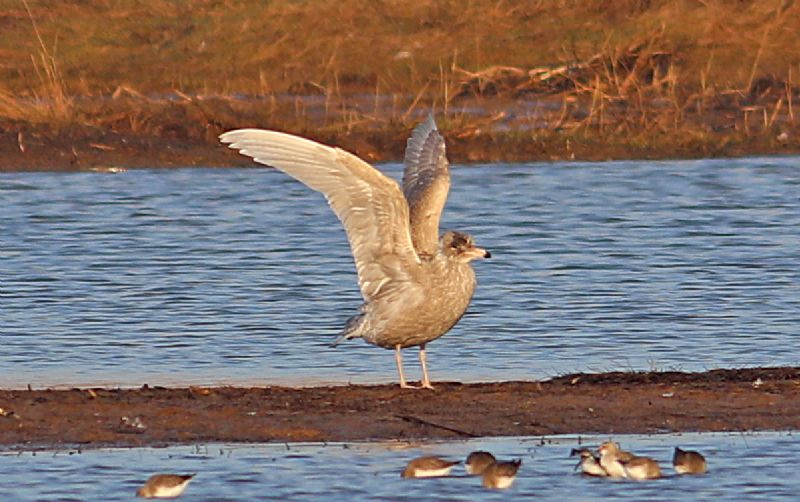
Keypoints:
pixel 205 275
pixel 741 467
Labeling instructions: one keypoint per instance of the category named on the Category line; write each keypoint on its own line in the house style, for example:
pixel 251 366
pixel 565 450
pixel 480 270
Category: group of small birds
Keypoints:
pixel 497 475
pixel 609 460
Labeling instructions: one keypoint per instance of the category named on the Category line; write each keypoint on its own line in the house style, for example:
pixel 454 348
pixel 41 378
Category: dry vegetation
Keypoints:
pixel 535 79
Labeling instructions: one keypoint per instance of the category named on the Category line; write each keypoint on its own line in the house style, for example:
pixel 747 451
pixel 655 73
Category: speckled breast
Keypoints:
pixel 445 302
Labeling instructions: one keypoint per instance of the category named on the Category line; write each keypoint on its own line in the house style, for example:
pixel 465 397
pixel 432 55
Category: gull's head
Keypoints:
pixel 460 246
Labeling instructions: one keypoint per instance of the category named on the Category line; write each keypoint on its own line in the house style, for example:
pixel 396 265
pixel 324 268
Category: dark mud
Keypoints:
pixel 611 403
pixel 99 150
pixel 169 134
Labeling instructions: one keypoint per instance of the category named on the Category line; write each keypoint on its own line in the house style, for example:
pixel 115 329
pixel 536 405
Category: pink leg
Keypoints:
pixel 423 360
pixel 399 360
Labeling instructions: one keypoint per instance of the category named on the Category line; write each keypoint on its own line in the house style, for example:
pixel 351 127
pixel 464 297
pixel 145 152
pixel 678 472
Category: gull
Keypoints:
pixel 416 285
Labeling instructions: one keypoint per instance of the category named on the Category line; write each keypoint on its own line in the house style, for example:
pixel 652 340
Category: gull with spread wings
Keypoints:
pixel 416 285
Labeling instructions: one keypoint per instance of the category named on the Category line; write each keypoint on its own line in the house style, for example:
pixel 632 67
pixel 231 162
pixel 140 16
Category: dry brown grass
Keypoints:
pixel 49 102
pixel 258 48
pixel 583 69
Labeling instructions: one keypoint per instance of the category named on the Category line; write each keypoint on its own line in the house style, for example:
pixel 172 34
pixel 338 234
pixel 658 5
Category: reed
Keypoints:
pixel 51 102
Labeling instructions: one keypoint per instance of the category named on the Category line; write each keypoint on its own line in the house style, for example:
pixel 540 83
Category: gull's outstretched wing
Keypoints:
pixel 370 205
pixel 426 181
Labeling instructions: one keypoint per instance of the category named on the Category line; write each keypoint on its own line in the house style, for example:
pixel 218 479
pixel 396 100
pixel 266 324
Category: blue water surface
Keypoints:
pixel 741 467
pixel 245 276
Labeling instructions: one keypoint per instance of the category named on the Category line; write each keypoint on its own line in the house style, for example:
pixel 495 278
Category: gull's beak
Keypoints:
pixel 476 252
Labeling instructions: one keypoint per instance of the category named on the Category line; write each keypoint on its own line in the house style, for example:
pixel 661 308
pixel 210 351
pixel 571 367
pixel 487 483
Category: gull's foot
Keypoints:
pixel 425 385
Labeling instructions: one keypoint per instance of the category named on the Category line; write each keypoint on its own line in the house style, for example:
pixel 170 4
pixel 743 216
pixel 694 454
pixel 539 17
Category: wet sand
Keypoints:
pixel 610 403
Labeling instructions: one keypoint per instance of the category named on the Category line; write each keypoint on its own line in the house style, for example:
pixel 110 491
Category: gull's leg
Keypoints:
pixel 423 360
pixel 399 360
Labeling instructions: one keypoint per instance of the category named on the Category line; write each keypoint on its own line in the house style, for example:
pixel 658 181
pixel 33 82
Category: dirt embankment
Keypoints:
pixel 611 403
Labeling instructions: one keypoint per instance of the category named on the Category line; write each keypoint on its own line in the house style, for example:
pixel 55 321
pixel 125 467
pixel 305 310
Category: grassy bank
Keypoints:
pixel 508 80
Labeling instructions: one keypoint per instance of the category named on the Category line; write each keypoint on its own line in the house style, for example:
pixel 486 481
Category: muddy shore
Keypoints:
pixel 82 148
pixel 610 403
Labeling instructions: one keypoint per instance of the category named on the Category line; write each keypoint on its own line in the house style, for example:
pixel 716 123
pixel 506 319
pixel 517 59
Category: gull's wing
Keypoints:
pixel 426 181
pixel 370 205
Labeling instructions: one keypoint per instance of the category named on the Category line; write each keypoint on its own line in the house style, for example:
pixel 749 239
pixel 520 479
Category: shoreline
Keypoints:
pixel 486 130
pixel 88 149
pixel 118 153
pixel 723 400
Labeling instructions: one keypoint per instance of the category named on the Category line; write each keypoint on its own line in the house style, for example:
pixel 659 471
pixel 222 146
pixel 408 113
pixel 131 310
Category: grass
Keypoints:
pixel 638 69
pixel 50 102
pixel 253 47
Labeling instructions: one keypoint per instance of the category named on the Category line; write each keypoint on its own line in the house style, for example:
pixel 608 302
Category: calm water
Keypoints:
pixel 244 275
pixel 741 467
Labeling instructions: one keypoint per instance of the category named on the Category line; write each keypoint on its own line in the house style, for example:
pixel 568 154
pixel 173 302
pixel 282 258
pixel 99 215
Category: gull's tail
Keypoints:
pixel 353 329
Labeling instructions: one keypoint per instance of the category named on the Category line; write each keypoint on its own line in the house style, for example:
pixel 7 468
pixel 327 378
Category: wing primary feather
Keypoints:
pixel 426 183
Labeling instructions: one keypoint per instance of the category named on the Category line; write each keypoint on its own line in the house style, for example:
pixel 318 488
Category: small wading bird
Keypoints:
pixel 622 464
pixel 164 486
pixel 478 461
pixel 501 475
pixel 688 462
pixel 612 459
pixel 589 463
pixel 428 467
pixel 641 468
pixel 416 285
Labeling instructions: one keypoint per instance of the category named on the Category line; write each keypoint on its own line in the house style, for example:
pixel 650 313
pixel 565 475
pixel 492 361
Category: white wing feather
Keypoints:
pixel 370 205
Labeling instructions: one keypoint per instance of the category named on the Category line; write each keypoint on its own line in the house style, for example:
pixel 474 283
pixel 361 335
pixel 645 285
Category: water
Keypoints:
pixel 244 275
pixel 741 467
